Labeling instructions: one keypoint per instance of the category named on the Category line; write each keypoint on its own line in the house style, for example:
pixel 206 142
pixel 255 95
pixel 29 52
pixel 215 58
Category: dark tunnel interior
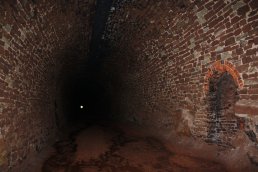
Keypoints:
pixel 86 100
pixel 128 85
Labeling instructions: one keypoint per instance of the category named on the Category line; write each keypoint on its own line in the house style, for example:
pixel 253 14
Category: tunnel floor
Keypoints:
pixel 104 148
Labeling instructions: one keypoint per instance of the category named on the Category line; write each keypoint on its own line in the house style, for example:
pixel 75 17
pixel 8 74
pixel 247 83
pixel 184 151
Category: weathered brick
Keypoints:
pixel 251 51
pixel 219 28
pixel 246 28
pixel 160 62
pixel 230 41
pixel 243 10
pixel 246 59
pixel 27 85
pixel 254 4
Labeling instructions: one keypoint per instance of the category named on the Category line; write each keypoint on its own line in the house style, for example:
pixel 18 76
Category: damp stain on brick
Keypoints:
pixel 222 122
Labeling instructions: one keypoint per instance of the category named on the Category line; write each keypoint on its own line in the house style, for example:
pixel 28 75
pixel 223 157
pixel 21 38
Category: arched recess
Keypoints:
pixel 223 66
pixel 222 83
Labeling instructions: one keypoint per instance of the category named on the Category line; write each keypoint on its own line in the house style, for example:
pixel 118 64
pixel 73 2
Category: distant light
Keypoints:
pixel 81 107
pixel 112 9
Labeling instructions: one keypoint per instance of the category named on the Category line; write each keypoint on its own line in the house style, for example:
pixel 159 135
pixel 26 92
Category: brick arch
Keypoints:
pixel 223 66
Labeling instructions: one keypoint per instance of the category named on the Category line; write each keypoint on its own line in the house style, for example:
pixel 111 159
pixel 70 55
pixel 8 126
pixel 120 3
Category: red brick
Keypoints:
pixel 216 21
pixel 237 32
pixel 246 28
pixel 254 97
pixel 251 52
pixel 239 51
pixel 219 5
pixel 246 59
pixel 254 4
pixel 230 41
pixel 243 10
pixel 256 40
pixel 26 76
pixel 234 20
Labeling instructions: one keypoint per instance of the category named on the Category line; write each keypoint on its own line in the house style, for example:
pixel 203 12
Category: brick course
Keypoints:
pixel 160 55
pixel 37 39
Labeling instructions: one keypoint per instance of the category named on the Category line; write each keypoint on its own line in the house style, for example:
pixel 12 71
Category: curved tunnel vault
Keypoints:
pixel 144 61
pixel 38 40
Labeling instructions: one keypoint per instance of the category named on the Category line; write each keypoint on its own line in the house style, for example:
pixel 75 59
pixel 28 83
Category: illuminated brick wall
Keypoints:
pixel 37 41
pixel 162 54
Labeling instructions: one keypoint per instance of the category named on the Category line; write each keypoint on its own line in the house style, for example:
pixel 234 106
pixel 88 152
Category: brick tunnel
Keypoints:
pixel 128 85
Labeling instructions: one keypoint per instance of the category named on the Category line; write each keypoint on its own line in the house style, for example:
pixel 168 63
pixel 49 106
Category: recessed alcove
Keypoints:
pixel 222 97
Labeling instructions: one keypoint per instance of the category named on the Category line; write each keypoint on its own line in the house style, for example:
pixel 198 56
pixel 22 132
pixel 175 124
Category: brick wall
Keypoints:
pixel 38 40
pixel 162 54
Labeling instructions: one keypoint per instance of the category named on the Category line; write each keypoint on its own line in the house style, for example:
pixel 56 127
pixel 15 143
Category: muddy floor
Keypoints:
pixel 105 149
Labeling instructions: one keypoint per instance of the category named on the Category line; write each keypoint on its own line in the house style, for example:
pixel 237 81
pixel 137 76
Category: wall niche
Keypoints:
pixel 222 97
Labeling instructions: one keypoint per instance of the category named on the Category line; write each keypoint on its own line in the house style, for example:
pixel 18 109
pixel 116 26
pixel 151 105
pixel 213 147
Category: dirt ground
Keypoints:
pixel 114 148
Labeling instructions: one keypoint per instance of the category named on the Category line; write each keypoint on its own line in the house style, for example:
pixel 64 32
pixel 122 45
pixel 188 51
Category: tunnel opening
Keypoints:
pixel 83 86
pixel 86 100
pixel 223 95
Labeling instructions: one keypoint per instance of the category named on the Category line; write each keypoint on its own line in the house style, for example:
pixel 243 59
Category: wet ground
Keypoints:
pixel 107 149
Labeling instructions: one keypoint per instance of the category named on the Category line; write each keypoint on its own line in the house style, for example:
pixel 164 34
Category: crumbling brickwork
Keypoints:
pixel 37 39
pixel 162 51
